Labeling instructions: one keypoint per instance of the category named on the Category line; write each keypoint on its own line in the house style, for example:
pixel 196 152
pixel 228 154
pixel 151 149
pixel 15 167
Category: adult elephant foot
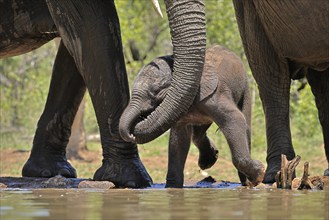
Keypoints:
pixel 272 169
pixel 326 172
pixel 124 169
pixel 48 165
pixel 274 158
pixel 270 172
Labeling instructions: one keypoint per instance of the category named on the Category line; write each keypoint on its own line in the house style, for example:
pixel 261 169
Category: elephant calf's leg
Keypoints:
pixel 179 145
pixel 233 124
pixel 319 82
pixel 208 152
pixel 66 91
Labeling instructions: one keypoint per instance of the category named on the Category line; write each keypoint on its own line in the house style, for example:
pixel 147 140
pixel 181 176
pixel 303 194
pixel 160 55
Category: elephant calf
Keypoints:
pixel 223 98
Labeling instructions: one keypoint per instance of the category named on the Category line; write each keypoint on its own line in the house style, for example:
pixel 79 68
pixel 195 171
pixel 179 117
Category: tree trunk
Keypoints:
pixel 77 141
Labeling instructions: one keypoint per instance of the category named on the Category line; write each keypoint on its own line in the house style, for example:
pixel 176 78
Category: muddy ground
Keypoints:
pixel 12 161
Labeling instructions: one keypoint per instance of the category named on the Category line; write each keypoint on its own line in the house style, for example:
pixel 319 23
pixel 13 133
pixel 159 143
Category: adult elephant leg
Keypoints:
pixel 272 77
pixel 91 32
pixel 179 145
pixel 54 127
pixel 319 82
pixel 274 89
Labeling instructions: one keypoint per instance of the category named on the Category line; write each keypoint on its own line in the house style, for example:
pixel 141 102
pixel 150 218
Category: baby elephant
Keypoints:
pixel 223 98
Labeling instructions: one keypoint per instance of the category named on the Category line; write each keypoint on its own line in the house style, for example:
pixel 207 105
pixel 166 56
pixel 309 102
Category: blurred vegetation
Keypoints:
pixel 25 79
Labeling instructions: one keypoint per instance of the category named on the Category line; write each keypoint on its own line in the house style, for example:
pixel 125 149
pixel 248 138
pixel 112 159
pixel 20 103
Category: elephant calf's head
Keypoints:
pixel 149 89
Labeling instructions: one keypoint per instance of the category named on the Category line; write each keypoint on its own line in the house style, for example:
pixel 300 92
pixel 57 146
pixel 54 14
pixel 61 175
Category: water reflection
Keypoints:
pixel 164 204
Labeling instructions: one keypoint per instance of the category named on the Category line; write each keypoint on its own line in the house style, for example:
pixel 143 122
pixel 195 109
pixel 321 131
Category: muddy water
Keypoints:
pixel 164 204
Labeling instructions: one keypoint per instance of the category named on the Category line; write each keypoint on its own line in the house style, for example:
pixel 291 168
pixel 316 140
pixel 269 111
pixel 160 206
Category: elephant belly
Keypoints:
pixel 195 117
pixel 9 47
pixel 24 26
pixel 297 29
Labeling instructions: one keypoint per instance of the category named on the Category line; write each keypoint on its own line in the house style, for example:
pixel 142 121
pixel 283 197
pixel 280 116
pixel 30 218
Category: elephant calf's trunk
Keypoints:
pixel 188 30
pixel 127 120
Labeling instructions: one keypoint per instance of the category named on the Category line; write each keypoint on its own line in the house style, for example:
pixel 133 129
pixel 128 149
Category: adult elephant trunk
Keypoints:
pixel 188 31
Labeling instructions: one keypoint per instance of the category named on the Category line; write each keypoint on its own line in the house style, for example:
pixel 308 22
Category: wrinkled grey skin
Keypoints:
pixel 82 62
pixel 223 98
pixel 285 40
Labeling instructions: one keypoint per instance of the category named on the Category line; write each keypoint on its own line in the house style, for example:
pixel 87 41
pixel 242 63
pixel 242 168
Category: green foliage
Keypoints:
pixel 222 27
pixel 24 87
pixel 144 34
pixel 303 106
pixel 304 115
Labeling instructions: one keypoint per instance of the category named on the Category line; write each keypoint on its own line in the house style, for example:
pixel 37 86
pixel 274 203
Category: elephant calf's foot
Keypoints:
pixel 129 173
pixel 254 171
pixel 48 166
pixel 175 179
pixel 174 184
pixel 208 158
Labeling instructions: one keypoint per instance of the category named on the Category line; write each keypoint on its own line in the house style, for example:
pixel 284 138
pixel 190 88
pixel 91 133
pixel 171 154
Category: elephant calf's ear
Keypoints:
pixel 208 85
pixel 170 61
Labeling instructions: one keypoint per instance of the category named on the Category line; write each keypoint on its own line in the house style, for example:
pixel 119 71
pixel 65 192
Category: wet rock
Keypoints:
pixel 208 179
pixel 2 186
pixel 320 182
pixel 262 186
pixel 96 184
pixel 206 182
pixel 53 182
pixel 36 182
pixel 296 183
pixel 57 182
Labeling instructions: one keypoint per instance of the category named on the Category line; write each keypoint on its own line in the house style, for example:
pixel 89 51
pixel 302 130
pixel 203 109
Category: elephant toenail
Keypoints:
pixel 326 172
pixel 64 172
pixel 45 173
pixel 131 184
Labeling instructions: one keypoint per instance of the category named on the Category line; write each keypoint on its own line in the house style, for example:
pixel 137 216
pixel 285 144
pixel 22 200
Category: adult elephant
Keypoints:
pixel 90 57
pixel 283 40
